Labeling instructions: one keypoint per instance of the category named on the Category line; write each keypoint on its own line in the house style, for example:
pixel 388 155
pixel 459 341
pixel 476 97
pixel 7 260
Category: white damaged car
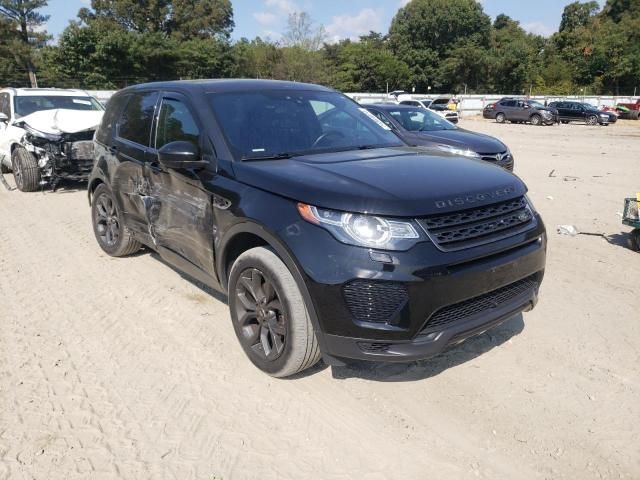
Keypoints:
pixel 46 135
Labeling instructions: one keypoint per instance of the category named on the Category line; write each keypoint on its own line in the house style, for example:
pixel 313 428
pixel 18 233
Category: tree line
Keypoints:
pixel 431 46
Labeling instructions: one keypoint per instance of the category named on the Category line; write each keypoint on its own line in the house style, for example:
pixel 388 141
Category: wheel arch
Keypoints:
pixel 246 235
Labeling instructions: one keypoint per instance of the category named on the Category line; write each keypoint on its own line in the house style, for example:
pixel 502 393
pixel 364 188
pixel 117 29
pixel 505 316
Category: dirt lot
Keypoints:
pixel 122 369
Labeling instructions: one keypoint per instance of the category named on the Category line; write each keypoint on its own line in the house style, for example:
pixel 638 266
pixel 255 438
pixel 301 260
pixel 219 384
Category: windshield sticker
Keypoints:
pixel 374 118
pixel 81 102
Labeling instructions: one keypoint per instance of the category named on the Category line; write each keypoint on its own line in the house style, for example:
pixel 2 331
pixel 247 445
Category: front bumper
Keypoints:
pixel 388 317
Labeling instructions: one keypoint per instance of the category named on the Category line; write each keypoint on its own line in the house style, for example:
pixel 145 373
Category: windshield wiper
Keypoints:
pixel 275 156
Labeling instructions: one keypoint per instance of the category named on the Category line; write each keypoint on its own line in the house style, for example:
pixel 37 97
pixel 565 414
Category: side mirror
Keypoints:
pixel 181 154
pixel 4 118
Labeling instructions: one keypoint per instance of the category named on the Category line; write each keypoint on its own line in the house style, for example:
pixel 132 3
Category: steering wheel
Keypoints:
pixel 324 136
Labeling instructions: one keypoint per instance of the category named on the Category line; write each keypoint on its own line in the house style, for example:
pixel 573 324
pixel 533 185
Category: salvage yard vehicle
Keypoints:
pixel 450 115
pixel 331 237
pixel 46 135
pixel 418 127
pixel 632 109
pixel 580 112
pixel 631 217
pixel 522 111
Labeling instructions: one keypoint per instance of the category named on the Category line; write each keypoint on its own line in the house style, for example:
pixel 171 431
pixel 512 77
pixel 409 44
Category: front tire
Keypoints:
pixel 26 172
pixel 501 118
pixel 108 227
pixel 592 120
pixel 536 120
pixel 269 314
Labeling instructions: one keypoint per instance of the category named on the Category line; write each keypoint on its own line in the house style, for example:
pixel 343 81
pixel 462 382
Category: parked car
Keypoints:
pixel 46 135
pixel 489 111
pixel 633 112
pixel 524 111
pixel 613 115
pixel 580 112
pixel 447 114
pixel 330 236
pixel 420 127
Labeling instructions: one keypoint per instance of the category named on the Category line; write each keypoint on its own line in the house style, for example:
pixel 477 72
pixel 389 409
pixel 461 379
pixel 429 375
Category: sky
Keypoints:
pixel 341 18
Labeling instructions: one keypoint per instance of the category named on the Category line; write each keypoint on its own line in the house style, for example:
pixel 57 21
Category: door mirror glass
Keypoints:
pixel 4 118
pixel 180 154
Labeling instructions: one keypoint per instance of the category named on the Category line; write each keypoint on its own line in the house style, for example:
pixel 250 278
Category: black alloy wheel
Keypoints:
pixel 106 220
pixel 260 314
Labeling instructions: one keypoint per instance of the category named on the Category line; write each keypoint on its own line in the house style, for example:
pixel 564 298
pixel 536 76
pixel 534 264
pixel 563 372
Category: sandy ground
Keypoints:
pixel 120 368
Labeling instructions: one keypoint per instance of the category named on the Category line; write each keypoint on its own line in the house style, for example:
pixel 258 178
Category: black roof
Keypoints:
pixel 228 85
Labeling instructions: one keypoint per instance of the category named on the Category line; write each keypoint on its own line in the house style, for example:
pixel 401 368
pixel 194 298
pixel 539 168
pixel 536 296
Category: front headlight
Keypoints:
pixel 546 114
pixel 604 115
pixel 362 230
pixel 459 151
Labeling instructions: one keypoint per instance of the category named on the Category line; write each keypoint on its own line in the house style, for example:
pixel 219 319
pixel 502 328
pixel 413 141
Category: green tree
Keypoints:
pixel 424 32
pixel 578 14
pixel 28 21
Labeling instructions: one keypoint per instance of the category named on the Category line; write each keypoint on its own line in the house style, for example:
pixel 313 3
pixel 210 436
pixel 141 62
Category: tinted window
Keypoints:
pixel 110 118
pixel 135 122
pixel 176 123
pixel 420 120
pixel 4 104
pixel 382 117
pixel 508 103
pixel 271 122
pixel 29 104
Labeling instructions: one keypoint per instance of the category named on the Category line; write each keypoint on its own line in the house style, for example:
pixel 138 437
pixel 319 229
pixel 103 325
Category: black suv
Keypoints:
pixel 331 237
pixel 522 111
pixel 580 112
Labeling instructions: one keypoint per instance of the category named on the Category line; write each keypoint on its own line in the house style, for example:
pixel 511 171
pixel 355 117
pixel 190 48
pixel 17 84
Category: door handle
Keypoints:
pixel 113 149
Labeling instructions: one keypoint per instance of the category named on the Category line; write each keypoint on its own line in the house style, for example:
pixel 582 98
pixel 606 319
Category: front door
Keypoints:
pixel 180 209
pixel 131 149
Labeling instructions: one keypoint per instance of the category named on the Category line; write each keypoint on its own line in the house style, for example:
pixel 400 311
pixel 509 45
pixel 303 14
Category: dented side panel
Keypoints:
pixel 179 214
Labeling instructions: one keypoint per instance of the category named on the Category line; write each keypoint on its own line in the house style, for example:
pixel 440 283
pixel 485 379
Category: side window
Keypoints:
pixel 175 123
pixel 383 118
pixel 110 117
pixel 5 106
pixel 509 103
pixel 137 117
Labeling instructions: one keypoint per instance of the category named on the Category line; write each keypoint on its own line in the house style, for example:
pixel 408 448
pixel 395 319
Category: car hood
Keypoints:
pixel 59 121
pixel 458 138
pixel 403 181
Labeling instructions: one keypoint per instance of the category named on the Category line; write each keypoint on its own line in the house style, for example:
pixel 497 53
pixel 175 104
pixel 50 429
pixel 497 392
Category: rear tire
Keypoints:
pixel 269 314
pixel 108 226
pixel 536 120
pixel 500 118
pixel 634 240
pixel 26 172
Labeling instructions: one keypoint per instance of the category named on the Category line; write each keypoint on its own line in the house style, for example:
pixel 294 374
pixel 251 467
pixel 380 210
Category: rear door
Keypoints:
pixel 131 148
pixel 179 211
pixel 575 112
pixel 507 107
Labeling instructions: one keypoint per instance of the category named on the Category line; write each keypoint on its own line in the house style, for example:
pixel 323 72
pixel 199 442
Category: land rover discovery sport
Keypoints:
pixel 331 237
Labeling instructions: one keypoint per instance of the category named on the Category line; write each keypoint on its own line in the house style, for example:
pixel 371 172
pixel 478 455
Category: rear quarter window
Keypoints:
pixel 136 119
pixel 111 115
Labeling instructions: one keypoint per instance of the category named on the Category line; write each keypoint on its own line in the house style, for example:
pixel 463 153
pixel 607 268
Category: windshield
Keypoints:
pixel 27 105
pixel 279 123
pixel 420 120
pixel 590 107
pixel 536 104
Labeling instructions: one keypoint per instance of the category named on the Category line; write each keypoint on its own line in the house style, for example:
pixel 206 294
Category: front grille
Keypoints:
pixel 82 150
pixel 483 303
pixel 377 302
pixel 477 226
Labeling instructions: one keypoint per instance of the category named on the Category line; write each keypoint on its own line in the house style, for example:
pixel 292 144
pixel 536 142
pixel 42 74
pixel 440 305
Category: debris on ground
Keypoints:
pixel 567 230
